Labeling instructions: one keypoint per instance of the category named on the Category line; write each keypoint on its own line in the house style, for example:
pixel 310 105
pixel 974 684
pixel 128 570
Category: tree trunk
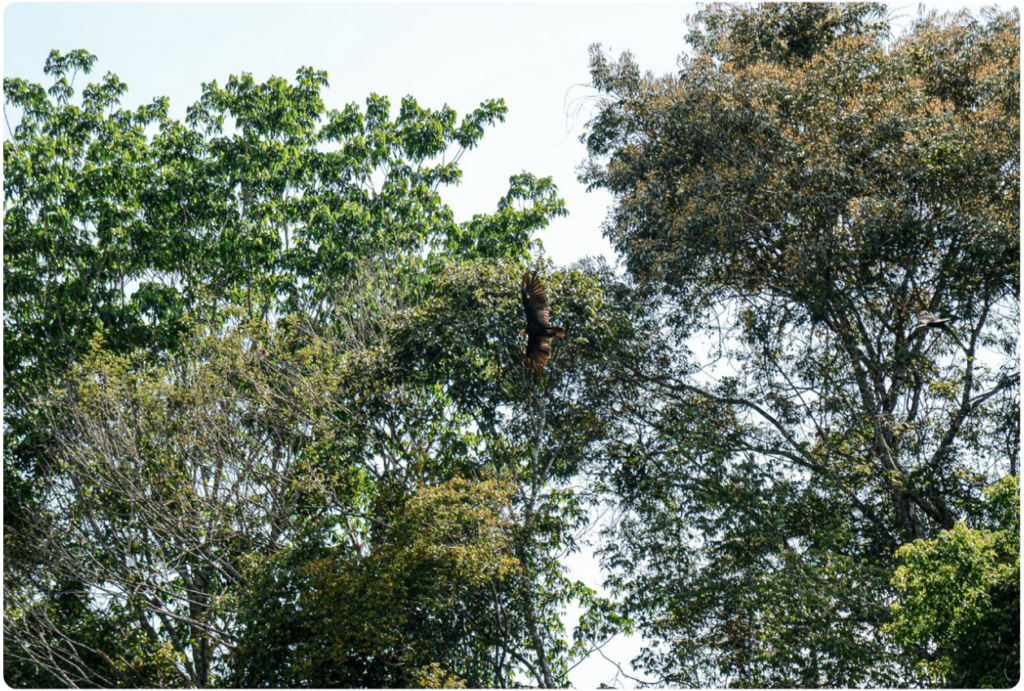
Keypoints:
pixel 529 612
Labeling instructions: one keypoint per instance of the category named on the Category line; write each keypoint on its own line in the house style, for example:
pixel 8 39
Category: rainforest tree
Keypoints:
pixel 794 196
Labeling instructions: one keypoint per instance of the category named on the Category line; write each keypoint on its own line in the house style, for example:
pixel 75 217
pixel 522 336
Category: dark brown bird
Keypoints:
pixel 539 330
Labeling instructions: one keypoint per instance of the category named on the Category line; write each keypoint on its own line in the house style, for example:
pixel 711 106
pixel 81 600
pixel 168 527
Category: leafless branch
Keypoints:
pixel 10 130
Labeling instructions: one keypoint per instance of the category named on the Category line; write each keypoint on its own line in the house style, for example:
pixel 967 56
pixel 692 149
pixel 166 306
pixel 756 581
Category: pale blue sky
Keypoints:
pixel 532 55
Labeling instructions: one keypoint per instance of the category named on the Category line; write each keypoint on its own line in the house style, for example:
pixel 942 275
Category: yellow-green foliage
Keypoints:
pixel 460 526
pixel 433 676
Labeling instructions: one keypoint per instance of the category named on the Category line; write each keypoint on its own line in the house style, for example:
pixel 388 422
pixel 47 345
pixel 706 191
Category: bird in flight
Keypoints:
pixel 539 330
pixel 927 319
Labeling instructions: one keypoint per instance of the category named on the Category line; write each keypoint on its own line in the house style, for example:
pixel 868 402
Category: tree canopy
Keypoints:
pixel 267 421
pixel 794 196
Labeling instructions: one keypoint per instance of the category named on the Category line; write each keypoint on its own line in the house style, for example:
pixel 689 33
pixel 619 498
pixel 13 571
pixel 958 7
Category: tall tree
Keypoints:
pixel 796 195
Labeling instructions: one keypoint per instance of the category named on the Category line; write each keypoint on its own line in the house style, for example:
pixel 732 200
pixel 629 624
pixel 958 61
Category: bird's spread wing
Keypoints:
pixel 535 302
pixel 538 351
pixel 926 319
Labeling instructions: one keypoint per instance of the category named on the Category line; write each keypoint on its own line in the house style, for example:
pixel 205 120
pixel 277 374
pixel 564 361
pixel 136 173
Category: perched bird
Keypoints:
pixel 538 330
pixel 927 319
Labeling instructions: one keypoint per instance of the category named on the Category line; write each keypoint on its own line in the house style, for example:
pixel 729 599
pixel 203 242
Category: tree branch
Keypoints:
pixel 10 130
pixel 799 455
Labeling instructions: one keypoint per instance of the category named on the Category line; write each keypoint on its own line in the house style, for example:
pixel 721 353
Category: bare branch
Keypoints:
pixel 10 130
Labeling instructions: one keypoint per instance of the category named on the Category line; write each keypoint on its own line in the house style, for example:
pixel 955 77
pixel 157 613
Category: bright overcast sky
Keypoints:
pixel 532 55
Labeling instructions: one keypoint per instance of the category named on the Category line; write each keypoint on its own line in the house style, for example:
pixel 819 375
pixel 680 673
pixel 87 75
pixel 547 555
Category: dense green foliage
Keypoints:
pixel 267 421
pixel 959 613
